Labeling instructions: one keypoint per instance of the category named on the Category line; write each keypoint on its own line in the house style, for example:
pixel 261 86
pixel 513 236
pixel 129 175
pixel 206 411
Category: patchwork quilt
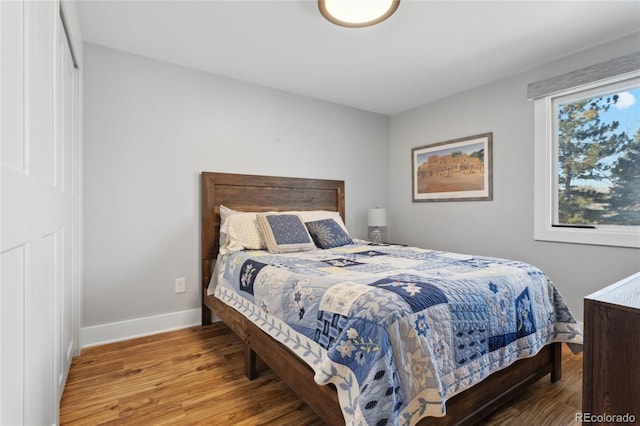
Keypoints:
pixel 398 330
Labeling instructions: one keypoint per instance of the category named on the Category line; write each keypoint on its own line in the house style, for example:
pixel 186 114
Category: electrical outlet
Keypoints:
pixel 181 285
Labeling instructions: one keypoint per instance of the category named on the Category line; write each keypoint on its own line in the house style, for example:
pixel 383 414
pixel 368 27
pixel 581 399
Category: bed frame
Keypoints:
pixel 268 193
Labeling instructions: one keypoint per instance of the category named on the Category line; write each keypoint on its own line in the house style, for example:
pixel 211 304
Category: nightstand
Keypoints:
pixel 611 362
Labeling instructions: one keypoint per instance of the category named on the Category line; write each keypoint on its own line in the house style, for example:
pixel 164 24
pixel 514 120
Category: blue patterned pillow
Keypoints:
pixel 326 233
pixel 284 232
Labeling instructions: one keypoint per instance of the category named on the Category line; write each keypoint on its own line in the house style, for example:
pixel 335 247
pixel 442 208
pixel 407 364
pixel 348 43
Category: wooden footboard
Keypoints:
pixel 294 372
pixel 466 408
pixel 478 402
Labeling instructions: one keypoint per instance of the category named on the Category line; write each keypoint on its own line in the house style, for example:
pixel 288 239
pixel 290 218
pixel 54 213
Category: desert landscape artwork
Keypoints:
pixel 455 170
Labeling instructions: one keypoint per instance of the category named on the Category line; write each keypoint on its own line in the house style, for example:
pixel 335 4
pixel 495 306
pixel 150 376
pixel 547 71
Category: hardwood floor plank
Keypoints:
pixel 99 413
pixel 195 376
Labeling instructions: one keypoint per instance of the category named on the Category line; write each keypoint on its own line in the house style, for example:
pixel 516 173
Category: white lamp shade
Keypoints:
pixel 377 217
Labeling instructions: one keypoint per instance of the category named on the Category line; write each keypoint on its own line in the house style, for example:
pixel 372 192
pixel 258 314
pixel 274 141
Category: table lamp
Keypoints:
pixel 377 218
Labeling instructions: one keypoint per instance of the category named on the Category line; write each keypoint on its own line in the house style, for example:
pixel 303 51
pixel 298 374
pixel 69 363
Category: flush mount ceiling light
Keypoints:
pixel 357 13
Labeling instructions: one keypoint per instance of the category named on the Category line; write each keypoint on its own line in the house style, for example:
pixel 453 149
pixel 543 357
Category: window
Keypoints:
pixel 587 163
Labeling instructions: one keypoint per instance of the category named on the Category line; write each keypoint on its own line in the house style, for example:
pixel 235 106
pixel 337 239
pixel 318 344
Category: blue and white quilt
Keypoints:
pixel 398 330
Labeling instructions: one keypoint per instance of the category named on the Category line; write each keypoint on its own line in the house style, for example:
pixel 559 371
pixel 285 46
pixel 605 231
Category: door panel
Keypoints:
pixel 39 211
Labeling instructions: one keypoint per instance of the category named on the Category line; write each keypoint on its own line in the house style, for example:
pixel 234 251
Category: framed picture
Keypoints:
pixel 455 170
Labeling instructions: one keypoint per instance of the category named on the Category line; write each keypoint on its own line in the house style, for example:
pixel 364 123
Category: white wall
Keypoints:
pixel 502 227
pixel 150 129
pixel 41 216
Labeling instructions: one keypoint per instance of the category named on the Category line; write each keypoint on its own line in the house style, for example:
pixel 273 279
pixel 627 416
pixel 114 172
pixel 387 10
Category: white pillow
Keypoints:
pixel 239 232
pixel 225 212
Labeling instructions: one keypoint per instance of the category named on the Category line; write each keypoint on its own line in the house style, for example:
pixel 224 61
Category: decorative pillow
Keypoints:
pixel 284 232
pixel 239 232
pixel 313 215
pixel 327 233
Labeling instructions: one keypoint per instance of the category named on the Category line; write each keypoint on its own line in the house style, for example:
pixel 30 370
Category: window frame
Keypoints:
pixel 546 179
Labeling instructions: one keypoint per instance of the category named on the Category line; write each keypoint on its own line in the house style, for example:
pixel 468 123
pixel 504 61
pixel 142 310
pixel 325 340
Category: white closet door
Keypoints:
pixel 39 219
pixel 15 243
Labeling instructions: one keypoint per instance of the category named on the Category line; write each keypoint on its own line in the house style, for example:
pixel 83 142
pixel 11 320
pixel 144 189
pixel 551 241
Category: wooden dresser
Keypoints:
pixel 611 369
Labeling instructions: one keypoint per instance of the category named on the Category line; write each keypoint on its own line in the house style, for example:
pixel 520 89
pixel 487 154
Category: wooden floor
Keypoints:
pixel 195 376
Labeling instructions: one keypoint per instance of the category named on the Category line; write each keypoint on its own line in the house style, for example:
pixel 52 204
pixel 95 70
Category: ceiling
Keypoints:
pixel 427 50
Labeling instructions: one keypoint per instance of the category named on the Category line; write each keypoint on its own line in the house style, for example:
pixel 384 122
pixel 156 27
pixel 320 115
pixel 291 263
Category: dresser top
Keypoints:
pixel 625 292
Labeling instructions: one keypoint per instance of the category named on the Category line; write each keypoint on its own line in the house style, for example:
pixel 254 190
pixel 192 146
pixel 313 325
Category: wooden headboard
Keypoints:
pixel 257 194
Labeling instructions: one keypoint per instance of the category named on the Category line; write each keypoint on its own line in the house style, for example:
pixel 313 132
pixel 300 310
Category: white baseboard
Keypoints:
pixel 123 330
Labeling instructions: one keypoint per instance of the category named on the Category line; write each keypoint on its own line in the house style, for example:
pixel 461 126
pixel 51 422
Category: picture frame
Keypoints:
pixel 454 170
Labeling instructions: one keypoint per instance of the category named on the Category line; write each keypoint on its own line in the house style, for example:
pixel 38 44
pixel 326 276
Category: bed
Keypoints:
pixel 283 350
